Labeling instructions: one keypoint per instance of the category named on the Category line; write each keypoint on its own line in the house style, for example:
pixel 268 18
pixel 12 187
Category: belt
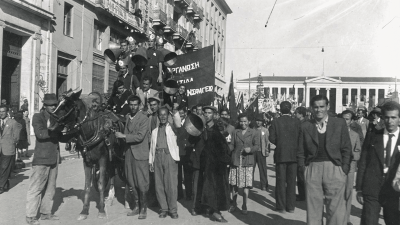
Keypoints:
pixel 165 150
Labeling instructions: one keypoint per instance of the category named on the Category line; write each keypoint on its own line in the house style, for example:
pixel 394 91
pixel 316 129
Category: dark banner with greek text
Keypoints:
pixel 196 71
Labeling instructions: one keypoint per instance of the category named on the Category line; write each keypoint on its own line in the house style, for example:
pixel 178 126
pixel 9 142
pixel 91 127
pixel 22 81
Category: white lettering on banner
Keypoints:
pixel 185 81
pixel 199 91
pixel 186 68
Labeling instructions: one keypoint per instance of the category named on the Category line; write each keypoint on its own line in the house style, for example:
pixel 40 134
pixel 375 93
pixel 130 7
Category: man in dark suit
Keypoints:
pixel 284 133
pixel 301 113
pixel 377 168
pixel 325 150
pixel 9 136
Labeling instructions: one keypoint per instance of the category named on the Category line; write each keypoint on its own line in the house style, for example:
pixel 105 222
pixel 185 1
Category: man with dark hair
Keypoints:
pixel 353 125
pixel 153 67
pixel 362 121
pixel 325 150
pixel 193 110
pixel 260 156
pixel 131 82
pixel 301 114
pixel 163 160
pixel 118 98
pixel 377 123
pixel 377 167
pixel 225 113
pixel 145 92
pixel 136 158
pixel 199 109
pixel 284 133
pixel 348 116
pixel 10 131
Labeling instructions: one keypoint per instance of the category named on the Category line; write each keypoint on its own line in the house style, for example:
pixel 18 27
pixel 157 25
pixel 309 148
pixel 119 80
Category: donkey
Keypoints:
pixel 95 141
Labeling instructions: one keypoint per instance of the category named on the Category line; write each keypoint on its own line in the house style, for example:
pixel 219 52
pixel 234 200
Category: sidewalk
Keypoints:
pixel 27 162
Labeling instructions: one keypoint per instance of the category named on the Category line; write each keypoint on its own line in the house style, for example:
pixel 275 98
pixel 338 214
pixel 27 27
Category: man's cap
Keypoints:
pixel 376 110
pixel 152 98
pixel 210 107
pixel 50 99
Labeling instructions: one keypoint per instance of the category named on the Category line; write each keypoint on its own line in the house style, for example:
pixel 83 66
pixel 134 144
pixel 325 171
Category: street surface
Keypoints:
pixel 69 197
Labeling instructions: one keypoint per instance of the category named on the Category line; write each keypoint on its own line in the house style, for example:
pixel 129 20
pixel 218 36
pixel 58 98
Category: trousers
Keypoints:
pixel 348 193
pixel 261 162
pixel 285 193
pixel 137 172
pixel 166 180
pixel 197 179
pixel 184 177
pixel 43 179
pixel 325 184
pixel 370 211
pixel 6 164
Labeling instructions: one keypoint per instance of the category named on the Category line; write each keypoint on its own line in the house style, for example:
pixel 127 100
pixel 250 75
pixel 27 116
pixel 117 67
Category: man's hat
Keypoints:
pixel 376 110
pixel 210 107
pixel 152 98
pixel 260 117
pixel 50 99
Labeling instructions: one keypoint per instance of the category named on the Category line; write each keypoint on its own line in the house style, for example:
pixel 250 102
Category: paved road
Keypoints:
pixel 69 195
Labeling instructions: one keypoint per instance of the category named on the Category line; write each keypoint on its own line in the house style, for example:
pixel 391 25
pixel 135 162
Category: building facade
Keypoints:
pixel 26 41
pixel 342 92
pixel 52 46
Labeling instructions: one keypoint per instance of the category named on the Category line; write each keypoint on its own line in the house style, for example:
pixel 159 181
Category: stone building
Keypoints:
pixel 342 92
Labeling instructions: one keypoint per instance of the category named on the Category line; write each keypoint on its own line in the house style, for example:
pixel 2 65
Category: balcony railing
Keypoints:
pixel 159 17
pixel 183 3
pixel 181 33
pixel 171 26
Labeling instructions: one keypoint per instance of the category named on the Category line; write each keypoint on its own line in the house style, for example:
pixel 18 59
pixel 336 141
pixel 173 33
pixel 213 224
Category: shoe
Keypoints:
pixel 218 218
pixel 280 211
pixel 32 221
pixel 193 212
pixel 232 208
pixel 143 206
pixel 244 210
pixel 290 211
pixel 135 211
pixel 174 215
pixel 162 214
pixel 49 217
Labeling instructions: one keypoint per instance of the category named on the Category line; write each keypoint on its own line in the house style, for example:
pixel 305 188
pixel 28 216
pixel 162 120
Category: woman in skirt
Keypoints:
pixel 245 142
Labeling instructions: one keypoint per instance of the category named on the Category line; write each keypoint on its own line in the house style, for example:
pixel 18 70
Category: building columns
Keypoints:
pixel 376 96
pixel 2 26
pixel 296 94
pixel 339 99
pixel 366 98
pixel 307 95
pixel 317 91
pixel 328 92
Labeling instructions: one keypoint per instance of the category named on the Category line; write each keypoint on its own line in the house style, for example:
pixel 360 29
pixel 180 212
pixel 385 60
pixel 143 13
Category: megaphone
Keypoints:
pixel 169 57
pixel 193 125
pixel 171 86
pixel 112 53
pixel 140 57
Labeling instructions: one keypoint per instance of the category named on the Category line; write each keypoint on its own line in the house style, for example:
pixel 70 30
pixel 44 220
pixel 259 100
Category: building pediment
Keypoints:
pixel 322 79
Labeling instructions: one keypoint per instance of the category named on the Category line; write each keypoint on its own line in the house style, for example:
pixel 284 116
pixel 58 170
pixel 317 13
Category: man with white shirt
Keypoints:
pixel 362 121
pixel 145 92
pixel 377 168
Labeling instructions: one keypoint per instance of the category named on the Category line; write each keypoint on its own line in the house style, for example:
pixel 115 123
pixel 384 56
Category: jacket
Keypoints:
pixel 338 144
pixel 171 142
pixel 141 95
pixel 264 142
pixel 251 139
pixel 10 137
pixel 355 145
pixel 46 147
pixel 370 176
pixel 137 131
pixel 357 128
pixel 284 133
pixel 364 123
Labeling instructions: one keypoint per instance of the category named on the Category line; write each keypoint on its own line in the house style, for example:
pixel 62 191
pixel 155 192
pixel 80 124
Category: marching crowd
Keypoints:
pixel 169 145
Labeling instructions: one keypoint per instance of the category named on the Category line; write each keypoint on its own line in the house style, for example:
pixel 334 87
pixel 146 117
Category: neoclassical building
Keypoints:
pixel 341 91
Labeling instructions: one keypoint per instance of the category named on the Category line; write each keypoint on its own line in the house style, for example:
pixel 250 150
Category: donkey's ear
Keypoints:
pixel 75 95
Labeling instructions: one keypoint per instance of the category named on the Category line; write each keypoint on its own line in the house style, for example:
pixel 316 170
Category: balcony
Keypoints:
pixel 183 3
pixel 171 26
pixel 180 34
pixel 191 42
pixel 199 15
pixel 192 8
pixel 159 17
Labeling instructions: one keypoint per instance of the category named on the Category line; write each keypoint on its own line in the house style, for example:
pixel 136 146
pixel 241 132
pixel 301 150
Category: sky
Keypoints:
pixel 359 38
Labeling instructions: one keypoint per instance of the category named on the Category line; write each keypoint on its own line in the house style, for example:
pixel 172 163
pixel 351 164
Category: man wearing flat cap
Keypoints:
pixel 42 182
pixel 260 156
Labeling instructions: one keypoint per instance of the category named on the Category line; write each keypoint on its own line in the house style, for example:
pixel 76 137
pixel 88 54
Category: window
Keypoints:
pixel 62 74
pixel 115 37
pixel 68 19
pixel 98 32
pixel 98 78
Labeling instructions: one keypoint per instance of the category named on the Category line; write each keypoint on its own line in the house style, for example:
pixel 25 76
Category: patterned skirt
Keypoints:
pixel 243 177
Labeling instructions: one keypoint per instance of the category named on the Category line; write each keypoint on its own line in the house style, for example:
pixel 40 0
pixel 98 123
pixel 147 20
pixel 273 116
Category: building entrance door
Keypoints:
pixel 11 71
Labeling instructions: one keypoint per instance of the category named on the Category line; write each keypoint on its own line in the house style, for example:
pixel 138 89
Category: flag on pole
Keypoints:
pixel 252 111
pixel 231 100
pixel 240 105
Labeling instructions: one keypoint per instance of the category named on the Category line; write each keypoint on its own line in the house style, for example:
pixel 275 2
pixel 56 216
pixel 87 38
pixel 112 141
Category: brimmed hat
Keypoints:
pixel 376 110
pixel 210 107
pixel 50 99
pixel 152 98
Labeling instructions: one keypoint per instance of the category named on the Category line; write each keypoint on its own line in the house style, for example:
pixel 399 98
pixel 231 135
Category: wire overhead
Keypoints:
pixel 266 24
